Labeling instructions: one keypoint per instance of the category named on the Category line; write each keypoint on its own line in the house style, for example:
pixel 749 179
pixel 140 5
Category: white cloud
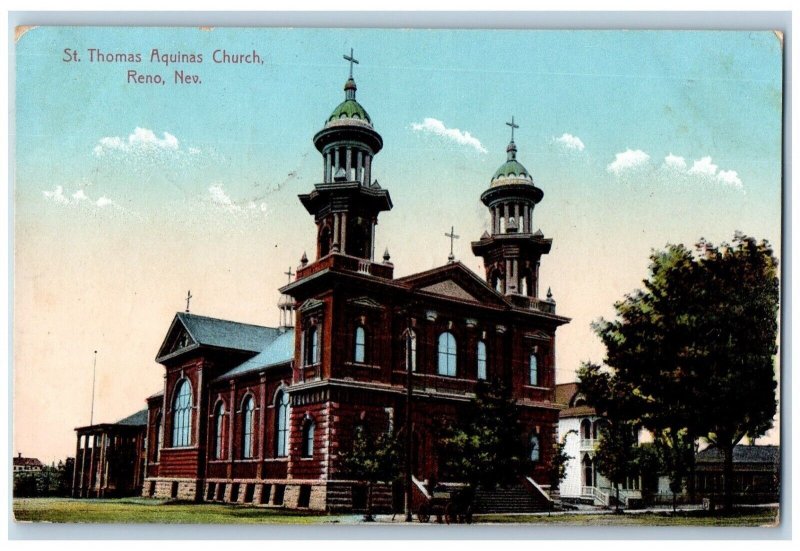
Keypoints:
pixel 568 141
pixel 628 160
pixel 675 162
pixel 78 197
pixel 57 196
pixel 704 167
pixel 221 198
pixel 141 141
pixel 435 126
pixel 702 170
pixel 731 178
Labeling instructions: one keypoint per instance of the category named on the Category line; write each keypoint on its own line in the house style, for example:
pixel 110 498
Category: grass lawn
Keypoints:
pixel 139 510
pixel 742 517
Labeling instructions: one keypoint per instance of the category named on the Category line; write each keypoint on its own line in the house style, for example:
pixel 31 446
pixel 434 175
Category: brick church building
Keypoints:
pixel 261 415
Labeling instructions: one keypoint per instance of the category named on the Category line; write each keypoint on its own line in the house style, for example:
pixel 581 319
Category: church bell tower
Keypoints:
pixel 511 251
pixel 347 202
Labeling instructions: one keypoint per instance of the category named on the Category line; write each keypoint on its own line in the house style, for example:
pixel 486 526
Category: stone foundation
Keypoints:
pixel 314 495
pixel 171 488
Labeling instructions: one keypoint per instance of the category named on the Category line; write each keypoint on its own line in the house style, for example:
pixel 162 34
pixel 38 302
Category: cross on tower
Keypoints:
pixel 289 274
pixel 513 126
pixel 452 235
pixel 352 60
pixel 188 298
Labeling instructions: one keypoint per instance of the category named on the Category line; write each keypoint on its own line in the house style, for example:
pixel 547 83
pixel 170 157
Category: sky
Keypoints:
pixel 128 195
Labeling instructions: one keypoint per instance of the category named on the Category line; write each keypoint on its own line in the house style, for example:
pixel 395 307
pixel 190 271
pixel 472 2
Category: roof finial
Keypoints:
pixel 289 274
pixel 513 126
pixel 188 298
pixel 352 60
pixel 452 235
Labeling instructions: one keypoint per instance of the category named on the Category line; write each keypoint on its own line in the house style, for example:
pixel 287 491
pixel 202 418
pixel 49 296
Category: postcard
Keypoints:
pixel 409 276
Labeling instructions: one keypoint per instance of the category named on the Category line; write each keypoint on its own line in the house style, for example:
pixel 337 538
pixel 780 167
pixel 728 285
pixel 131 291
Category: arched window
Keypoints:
pixel 247 427
pixel 308 439
pixel 219 431
pixel 447 354
pixel 411 341
pixel 586 429
pixel 159 438
pixel 534 367
pixel 324 241
pixel 361 345
pixel 182 415
pixel 282 425
pixel 481 360
pixel 535 450
pixel 312 346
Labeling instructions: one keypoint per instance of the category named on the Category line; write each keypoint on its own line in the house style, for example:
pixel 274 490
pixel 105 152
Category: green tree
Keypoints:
pixel 675 451
pixel 616 453
pixel 487 445
pixel 374 460
pixel 558 465
pixel 696 346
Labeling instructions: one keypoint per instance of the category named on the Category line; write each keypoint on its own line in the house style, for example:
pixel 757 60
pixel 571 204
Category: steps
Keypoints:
pixel 514 499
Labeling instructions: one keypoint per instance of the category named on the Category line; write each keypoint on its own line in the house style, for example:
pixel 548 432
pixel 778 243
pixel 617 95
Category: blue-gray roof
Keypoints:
pixel 742 454
pixel 227 334
pixel 279 351
pixel 138 418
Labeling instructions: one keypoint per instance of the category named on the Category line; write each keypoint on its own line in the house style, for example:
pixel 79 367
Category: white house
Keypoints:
pixel 580 425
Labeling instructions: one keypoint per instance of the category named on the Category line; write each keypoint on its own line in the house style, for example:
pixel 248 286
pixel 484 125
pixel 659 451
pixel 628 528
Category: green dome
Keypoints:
pixel 350 109
pixel 512 168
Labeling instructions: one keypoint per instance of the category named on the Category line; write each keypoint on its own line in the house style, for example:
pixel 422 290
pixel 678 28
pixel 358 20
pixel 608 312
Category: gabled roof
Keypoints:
pixel 27 462
pixel 135 419
pixel 742 454
pixel 456 281
pixel 278 352
pixel 199 331
pixel 565 393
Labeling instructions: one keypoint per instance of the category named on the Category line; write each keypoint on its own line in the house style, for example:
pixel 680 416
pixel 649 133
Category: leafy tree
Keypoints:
pixel 487 446
pixel 373 459
pixel 616 454
pixel 696 346
pixel 675 450
pixel 558 465
pixel 650 466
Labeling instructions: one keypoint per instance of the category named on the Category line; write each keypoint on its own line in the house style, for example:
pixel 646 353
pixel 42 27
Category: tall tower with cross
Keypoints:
pixel 346 203
pixel 512 249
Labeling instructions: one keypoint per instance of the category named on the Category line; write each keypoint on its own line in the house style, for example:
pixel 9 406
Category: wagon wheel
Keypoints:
pixel 450 515
pixel 424 514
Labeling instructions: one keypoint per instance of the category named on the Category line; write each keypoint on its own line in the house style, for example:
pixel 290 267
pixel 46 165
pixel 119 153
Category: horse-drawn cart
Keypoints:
pixel 449 502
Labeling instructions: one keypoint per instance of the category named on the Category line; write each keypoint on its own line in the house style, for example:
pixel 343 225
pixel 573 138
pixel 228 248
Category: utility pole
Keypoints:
pixel 94 371
pixel 409 439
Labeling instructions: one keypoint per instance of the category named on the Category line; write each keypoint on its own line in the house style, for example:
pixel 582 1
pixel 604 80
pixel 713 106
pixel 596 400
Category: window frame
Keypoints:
pixel 182 414
pixel 219 430
pixel 533 369
pixel 360 345
pixel 248 430
pixel 307 442
pixel 282 404
pixel 482 361
pixel 448 353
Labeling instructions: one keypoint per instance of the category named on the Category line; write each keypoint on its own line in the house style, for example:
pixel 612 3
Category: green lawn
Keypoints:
pixel 742 517
pixel 139 510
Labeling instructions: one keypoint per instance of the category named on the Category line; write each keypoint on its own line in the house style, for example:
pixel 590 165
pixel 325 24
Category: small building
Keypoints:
pixel 580 425
pixel 109 458
pixel 756 473
pixel 26 464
